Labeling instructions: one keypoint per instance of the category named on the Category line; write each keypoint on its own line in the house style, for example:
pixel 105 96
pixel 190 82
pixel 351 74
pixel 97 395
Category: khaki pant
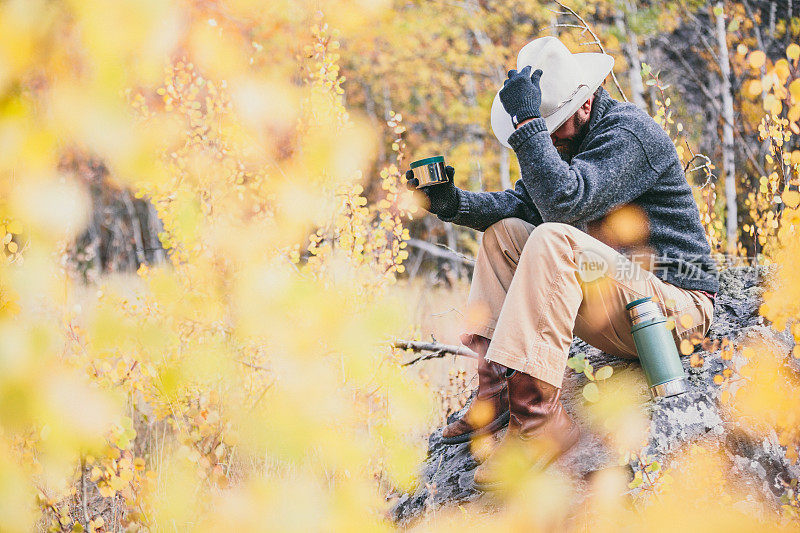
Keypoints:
pixel 534 287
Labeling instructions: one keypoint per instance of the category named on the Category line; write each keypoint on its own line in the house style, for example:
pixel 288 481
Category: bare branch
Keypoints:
pixel 597 41
pixel 569 26
pixel 251 365
pixel 437 350
pixel 712 100
pixel 706 166
pixel 440 250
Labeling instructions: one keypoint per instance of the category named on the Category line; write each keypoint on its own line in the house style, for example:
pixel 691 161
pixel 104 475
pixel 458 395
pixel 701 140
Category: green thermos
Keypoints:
pixel 656 348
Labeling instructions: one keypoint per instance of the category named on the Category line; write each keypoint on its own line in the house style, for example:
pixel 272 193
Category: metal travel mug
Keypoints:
pixel 430 171
pixel 656 348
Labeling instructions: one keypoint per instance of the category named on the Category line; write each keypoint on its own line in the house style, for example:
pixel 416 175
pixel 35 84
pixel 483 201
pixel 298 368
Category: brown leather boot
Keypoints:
pixel 539 428
pixel 488 412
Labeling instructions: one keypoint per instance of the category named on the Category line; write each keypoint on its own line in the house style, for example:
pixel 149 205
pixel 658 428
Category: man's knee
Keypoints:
pixel 506 231
pixel 548 231
pixel 549 239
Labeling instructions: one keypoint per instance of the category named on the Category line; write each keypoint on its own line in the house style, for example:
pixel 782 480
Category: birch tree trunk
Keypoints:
pixel 452 243
pixel 652 90
pixel 136 229
pixel 772 6
pixel 369 105
pixel 728 159
pixel 474 137
pixel 484 43
pixel 387 102
pixel 631 49
pixel 155 227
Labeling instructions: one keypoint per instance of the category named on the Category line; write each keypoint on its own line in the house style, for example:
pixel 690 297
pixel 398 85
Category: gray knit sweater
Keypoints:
pixel 625 158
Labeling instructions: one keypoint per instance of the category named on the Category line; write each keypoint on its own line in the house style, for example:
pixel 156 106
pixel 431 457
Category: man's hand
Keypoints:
pixel 521 95
pixel 440 199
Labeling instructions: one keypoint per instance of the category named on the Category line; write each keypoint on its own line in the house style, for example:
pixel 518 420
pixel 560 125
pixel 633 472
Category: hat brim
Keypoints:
pixel 594 68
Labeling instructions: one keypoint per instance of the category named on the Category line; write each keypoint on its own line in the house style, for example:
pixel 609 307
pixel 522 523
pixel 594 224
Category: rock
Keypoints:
pixel 697 415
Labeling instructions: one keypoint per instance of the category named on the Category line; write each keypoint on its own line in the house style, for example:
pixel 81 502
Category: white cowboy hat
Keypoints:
pixel 567 82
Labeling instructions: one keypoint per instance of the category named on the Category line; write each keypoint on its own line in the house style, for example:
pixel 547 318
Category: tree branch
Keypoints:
pixel 440 250
pixel 597 42
pixel 437 350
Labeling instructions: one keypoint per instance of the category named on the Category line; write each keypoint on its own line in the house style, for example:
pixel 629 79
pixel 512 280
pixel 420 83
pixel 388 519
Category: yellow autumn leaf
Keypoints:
pixel 772 104
pixel 591 392
pixel 776 108
pixel 793 51
pixel 794 113
pixel 604 373
pixel 106 491
pixel 781 69
pixel 756 59
pixel 754 88
pixel 791 198
pixel 768 101
pixel 686 320
pixel 686 347
pixel 794 90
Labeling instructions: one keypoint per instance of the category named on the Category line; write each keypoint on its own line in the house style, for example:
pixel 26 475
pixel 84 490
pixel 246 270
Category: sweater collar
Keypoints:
pixel 600 105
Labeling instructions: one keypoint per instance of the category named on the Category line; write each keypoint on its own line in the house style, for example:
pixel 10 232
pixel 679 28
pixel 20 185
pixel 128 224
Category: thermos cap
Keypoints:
pixel 636 302
pixel 427 161
pixel 644 310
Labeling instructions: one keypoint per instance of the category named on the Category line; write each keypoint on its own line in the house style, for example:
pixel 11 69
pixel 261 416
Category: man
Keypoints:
pixel 598 178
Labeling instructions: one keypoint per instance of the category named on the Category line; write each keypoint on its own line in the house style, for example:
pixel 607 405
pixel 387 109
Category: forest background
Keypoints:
pixel 209 250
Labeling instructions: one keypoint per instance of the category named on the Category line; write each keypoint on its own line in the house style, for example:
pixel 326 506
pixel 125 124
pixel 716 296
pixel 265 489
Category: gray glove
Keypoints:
pixel 521 95
pixel 441 199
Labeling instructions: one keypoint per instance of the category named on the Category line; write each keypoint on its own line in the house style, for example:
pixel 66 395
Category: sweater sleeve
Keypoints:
pixel 611 170
pixel 479 210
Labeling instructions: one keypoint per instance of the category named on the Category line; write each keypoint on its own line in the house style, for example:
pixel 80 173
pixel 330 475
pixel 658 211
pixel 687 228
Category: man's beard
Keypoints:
pixel 569 148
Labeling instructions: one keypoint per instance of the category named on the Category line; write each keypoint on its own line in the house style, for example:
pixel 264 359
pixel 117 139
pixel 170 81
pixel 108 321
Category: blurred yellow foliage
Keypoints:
pixel 252 371
pixel 769 397
pixel 247 383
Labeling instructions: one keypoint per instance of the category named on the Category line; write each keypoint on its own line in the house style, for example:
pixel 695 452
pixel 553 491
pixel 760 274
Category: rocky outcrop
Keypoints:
pixel 446 476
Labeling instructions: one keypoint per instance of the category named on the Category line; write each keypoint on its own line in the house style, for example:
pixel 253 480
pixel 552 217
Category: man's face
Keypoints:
pixel 569 135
